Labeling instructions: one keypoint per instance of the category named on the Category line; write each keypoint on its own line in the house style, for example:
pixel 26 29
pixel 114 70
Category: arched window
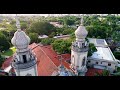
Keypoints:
pixel 83 61
pixel 73 59
pixel 24 59
pixel 83 44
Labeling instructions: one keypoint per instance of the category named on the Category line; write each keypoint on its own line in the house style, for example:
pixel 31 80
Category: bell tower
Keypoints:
pixel 24 61
pixel 79 51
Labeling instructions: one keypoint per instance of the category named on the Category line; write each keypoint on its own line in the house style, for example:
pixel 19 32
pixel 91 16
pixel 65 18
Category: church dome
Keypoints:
pixel 81 32
pixel 20 40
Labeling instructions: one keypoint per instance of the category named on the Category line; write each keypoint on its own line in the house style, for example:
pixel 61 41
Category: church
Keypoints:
pixel 40 60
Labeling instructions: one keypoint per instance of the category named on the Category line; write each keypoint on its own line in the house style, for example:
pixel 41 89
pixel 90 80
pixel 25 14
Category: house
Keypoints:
pixel 62 37
pixel 56 24
pixel 103 58
pixel 42 36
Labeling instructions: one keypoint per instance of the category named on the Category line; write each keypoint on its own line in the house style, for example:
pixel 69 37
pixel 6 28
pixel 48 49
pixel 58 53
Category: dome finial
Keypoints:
pixel 18 23
pixel 82 20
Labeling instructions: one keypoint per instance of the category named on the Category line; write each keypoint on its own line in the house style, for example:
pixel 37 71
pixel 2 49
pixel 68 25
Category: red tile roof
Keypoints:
pixel 47 59
pixel 7 62
pixel 66 57
pixel 92 71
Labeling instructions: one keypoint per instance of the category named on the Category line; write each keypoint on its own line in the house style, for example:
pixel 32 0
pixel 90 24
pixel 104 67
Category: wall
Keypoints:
pixel 102 63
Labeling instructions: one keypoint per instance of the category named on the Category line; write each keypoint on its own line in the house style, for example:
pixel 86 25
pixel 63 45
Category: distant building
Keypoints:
pixel 103 58
pixel 39 60
pixel 62 37
pixel 42 36
pixel 56 24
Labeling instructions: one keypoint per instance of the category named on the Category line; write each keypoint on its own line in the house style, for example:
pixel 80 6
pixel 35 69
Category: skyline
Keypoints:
pixel 42 14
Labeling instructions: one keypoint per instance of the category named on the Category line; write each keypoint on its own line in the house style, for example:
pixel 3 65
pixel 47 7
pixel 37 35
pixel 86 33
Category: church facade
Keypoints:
pixel 39 60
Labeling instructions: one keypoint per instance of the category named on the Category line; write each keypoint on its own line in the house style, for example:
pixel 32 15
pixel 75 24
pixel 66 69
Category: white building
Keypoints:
pixel 103 57
pixel 42 36
pixel 24 61
pixel 79 51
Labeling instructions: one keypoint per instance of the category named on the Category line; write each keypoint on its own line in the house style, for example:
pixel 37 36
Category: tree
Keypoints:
pixel 33 37
pixel 41 28
pixel 92 49
pixel 62 46
pixel 104 73
pixel 116 36
pixel 95 31
pixel 117 55
pixel 4 44
pixel 1 60
pixel 52 35
pixel 23 25
pixel 47 41
pixel 67 31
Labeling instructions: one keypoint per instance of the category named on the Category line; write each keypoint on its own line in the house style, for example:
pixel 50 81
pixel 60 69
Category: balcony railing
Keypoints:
pixel 76 49
pixel 24 65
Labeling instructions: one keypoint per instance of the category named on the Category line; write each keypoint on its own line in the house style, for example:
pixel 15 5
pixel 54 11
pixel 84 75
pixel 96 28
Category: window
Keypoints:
pixel 24 59
pixel 73 60
pixel 96 62
pixel 109 64
pixel 88 61
pixel 83 44
pixel 83 62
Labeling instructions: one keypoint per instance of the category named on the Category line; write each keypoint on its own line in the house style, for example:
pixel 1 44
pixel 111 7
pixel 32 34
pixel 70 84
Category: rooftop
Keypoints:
pixel 103 51
pixel 47 59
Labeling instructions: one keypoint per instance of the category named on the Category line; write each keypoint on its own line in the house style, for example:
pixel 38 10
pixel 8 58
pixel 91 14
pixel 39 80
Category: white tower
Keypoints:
pixel 24 61
pixel 79 51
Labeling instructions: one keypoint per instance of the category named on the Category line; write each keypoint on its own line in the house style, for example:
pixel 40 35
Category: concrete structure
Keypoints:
pixel 103 58
pixel 24 61
pixel 62 37
pixel 37 59
pixel 79 51
pixel 42 36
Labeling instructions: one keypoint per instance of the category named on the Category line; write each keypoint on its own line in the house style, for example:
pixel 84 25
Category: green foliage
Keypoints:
pixel 47 41
pixel 1 60
pixel 104 73
pixel 72 36
pixel 41 28
pixel 23 25
pixel 62 46
pixel 97 31
pixel 67 31
pixel 4 44
pixel 9 52
pixel 92 49
pixel 116 36
pixel 117 55
pixel 33 37
pixel 52 35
